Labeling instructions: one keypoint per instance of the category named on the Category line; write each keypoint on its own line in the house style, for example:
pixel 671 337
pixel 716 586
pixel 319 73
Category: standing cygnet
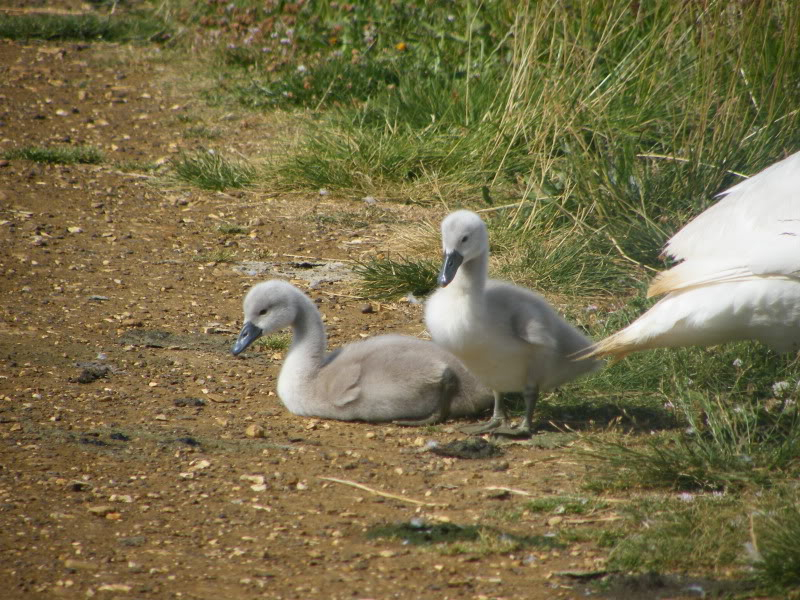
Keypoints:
pixel 508 336
pixel 380 379
pixel 740 275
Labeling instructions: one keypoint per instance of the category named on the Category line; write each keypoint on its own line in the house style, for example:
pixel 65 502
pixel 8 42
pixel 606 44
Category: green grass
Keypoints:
pixel 390 279
pixel 277 342
pixel 231 229
pixel 60 155
pixel 732 448
pixel 201 132
pixel 689 535
pixel 210 170
pixel 775 535
pixel 134 165
pixel 451 539
pixel 85 27
pixel 565 505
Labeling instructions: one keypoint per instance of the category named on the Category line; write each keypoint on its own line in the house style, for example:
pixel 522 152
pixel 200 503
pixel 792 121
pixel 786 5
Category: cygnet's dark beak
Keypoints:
pixel 249 334
pixel 452 260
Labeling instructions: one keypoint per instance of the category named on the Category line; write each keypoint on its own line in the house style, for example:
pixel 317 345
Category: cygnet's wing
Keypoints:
pixel 338 382
pixel 524 314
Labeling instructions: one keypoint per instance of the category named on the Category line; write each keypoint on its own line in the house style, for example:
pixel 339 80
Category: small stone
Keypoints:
pixel 387 553
pixel 133 541
pixel 256 479
pixel 255 431
pixel 367 309
pixel 79 486
pixel 553 521
pixel 101 511
pixel 74 229
pixel 160 417
pixel 189 401
pixel 79 565
pixel 114 587
pixel 127 498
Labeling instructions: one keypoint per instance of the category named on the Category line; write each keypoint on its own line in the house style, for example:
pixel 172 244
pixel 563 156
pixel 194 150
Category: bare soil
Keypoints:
pixel 132 462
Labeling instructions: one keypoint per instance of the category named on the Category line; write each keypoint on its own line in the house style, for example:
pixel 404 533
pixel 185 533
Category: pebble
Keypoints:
pixel 255 479
pixel 114 587
pixel 367 309
pixel 101 511
pixel 83 565
pixel 255 431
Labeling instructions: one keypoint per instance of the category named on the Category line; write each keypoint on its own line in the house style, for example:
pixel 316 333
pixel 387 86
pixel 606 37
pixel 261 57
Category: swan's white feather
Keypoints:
pixel 740 275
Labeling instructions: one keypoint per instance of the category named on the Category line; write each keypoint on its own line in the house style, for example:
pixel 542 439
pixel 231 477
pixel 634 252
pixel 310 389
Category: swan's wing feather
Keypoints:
pixel 766 205
pixel 770 257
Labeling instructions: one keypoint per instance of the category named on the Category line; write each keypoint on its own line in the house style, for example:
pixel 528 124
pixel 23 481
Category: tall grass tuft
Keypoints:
pixel 390 279
pixel 210 170
pixel 776 532
pixel 726 445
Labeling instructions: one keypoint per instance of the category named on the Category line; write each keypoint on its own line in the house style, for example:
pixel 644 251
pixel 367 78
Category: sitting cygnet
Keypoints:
pixel 384 378
pixel 508 336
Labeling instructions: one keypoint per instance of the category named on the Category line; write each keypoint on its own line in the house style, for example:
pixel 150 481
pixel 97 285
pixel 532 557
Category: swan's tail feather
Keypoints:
pixel 616 346
pixel 695 274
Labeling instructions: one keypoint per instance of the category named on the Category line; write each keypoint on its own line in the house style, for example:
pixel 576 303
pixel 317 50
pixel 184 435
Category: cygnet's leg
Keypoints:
pixel 499 418
pixel 448 388
pixel 531 396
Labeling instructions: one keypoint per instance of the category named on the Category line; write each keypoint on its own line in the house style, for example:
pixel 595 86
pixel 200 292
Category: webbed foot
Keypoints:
pixel 434 419
pixel 488 427
pixel 521 430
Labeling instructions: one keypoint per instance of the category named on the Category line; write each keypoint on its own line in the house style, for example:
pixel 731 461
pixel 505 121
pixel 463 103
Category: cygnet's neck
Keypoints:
pixel 471 276
pixel 306 353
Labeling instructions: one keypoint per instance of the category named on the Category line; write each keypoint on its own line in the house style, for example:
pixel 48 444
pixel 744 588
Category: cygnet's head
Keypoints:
pixel 268 306
pixel 464 238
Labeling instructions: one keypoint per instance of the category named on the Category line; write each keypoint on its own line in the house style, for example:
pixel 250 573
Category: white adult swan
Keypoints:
pixel 740 275
pixel 508 336
pixel 383 378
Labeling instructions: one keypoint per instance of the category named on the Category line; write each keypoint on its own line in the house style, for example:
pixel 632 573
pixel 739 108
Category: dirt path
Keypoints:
pixel 129 467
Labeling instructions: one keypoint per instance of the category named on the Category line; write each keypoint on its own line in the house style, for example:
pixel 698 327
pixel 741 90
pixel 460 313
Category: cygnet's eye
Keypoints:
pixel 262 312
pixel 464 239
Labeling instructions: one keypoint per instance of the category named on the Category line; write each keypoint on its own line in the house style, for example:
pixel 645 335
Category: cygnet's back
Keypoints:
pixel 400 378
